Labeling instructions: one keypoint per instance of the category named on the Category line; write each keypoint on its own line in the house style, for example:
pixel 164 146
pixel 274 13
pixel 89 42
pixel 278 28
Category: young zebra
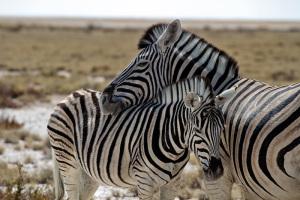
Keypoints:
pixel 145 146
pixel 261 144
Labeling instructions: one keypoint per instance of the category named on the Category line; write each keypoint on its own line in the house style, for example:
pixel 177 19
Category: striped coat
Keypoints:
pixel 145 146
pixel 261 142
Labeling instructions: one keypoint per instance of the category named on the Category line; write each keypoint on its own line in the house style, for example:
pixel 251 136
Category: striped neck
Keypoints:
pixel 191 56
pixel 198 57
pixel 178 115
pixel 178 91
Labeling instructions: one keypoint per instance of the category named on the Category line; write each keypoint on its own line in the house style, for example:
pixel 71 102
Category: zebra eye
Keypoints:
pixel 143 63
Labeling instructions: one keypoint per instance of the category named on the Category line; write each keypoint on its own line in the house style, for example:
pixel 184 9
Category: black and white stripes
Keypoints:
pixel 169 55
pixel 261 145
pixel 262 139
pixel 145 145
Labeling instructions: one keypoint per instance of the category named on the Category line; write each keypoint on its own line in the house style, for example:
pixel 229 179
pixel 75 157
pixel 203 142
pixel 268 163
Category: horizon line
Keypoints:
pixel 76 17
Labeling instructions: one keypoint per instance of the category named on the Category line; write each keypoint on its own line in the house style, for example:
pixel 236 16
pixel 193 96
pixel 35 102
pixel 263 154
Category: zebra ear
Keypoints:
pixel 192 100
pixel 225 95
pixel 170 35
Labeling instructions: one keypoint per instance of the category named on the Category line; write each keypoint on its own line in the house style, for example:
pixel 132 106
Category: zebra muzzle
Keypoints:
pixel 110 105
pixel 215 169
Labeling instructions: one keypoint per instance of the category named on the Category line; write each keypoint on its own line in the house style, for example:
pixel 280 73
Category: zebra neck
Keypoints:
pixel 176 92
pixel 198 57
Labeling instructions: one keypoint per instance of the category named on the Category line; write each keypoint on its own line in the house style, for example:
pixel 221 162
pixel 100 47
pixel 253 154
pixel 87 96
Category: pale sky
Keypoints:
pixel 199 9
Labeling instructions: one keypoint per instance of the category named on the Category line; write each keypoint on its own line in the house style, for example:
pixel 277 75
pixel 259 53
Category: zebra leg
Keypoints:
pixel 221 188
pixel 146 188
pixel 168 191
pixel 88 186
pixel 71 180
pixel 69 172
pixel 146 191
pixel 203 195
pixel 58 184
pixel 237 192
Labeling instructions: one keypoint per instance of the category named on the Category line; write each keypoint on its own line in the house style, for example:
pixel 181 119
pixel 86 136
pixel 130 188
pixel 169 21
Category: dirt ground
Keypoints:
pixel 45 60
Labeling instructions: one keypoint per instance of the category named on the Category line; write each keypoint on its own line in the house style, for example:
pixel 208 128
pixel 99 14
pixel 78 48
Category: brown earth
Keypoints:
pixel 39 58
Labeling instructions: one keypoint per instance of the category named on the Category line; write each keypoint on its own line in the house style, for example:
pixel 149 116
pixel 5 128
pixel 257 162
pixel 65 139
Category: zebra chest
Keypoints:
pixel 155 170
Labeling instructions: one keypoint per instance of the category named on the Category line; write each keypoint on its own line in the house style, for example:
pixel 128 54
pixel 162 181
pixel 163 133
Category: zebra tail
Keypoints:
pixel 58 183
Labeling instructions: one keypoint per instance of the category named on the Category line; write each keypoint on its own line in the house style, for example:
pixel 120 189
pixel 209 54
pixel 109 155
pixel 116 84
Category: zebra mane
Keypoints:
pixel 154 32
pixel 177 91
pixel 151 35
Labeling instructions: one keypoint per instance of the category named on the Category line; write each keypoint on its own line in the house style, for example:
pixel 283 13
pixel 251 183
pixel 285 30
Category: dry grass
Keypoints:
pixel 2 149
pixel 11 139
pixel 28 160
pixel 45 55
pixel 14 136
pixel 16 184
pixel 261 54
pixel 8 173
pixel 9 123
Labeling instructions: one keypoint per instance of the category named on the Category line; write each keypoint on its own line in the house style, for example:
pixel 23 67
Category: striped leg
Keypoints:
pixel 169 191
pixel 237 192
pixel 58 184
pixel 145 186
pixel 78 185
pixel 145 189
pixel 203 195
pixel 71 180
pixel 88 186
pixel 220 189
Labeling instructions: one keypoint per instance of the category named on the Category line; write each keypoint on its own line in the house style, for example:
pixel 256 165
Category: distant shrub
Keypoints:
pixel 9 123
pixel 28 160
pixel 11 139
pixel 17 188
pixel 2 149
pixel 284 76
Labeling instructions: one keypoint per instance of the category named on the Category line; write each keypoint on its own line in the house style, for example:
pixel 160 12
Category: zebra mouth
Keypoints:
pixel 215 169
pixel 110 104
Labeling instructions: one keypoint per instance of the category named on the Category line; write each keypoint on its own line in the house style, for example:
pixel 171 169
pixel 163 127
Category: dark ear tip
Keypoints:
pixel 175 24
pixel 177 21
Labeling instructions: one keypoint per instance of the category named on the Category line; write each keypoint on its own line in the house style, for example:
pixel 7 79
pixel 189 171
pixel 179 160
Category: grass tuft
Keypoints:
pixel 2 149
pixel 17 187
pixel 8 123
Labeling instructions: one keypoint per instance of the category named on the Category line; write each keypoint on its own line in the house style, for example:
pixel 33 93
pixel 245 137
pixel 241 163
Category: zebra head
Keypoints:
pixel 206 124
pixel 168 55
pixel 142 79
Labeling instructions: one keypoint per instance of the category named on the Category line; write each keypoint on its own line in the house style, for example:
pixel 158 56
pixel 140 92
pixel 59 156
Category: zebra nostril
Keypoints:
pixel 215 164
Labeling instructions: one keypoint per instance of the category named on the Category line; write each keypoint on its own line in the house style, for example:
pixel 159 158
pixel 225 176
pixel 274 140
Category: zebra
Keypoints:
pixel 145 146
pixel 260 149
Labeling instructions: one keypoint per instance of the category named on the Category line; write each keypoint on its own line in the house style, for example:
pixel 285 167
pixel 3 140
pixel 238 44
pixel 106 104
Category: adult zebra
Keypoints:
pixel 145 146
pixel 261 145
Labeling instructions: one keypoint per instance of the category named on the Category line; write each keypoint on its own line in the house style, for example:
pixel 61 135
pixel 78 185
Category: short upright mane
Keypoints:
pixel 152 34
pixel 177 91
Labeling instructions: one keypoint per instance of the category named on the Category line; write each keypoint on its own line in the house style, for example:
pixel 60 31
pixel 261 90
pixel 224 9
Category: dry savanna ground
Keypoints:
pixel 38 62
